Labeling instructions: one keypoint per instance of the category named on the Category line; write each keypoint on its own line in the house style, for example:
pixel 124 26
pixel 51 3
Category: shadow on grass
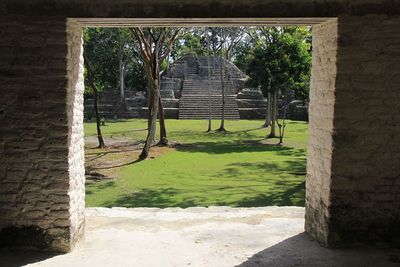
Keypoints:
pixel 160 198
pixel 100 186
pixel 165 197
pixel 240 147
pixel 296 167
pixel 294 196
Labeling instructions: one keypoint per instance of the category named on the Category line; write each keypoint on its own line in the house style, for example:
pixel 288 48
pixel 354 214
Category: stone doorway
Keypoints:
pixel 352 176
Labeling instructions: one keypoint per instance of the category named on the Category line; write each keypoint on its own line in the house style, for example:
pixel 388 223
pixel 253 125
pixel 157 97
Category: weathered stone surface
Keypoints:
pixel 167 94
pixel 354 156
pixel 41 133
pixel 199 9
pixel 366 154
pixel 170 103
pixel 250 93
pixel 319 151
pixel 297 110
pixel 352 194
pixel 252 113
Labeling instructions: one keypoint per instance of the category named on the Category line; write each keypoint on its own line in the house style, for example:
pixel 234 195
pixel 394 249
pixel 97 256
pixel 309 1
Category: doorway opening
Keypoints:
pixel 235 102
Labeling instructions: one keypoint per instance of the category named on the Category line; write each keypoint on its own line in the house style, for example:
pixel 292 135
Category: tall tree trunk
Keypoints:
pixel 98 123
pixel 268 111
pixel 122 84
pixel 274 114
pixel 222 126
pixel 163 130
pixel 121 76
pixel 209 95
pixel 150 101
pixel 153 112
pixel 95 101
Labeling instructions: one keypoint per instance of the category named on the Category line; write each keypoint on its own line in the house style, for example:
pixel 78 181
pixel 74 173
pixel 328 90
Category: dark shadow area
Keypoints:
pixel 297 166
pixel 17 258
pixel 161 198
pixel 239 147
pixel 301 250
pixel 284 198
pixel 166 197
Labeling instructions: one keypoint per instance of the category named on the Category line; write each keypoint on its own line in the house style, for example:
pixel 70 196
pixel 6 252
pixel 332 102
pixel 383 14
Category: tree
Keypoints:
pixel 154 45
pixel 279 63
pixel 92 85
pixel 114 60
pixel 221 41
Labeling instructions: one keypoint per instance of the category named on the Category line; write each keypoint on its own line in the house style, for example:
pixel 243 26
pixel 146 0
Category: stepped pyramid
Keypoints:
pixel 198 93
pixel 185 94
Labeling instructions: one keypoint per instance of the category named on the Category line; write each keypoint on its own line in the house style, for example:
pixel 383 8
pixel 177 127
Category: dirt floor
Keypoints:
pixel 216 236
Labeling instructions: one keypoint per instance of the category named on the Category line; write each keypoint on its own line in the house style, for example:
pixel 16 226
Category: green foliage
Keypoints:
pixel 277 59
pixel 104 47
pixel 191 41
pixel 233 168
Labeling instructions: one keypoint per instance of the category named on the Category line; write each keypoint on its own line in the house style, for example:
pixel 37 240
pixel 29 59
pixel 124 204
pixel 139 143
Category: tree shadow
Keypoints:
pixel 239 147
pixel 100 186
pixel 296 166
pixel 279 198
pixel 302 250
pixel 160 198
pixel 171 197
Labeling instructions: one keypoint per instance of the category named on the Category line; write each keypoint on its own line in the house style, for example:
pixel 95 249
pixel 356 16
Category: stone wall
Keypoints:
pixel 353 171
pixel 41 145
pixel 366 158
pixel 319 150
pixel 76 157
pixel 354 155
pixel 307 9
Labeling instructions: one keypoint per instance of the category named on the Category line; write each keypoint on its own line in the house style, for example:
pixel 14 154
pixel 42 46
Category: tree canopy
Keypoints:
pixel 275 58
pixel 105 47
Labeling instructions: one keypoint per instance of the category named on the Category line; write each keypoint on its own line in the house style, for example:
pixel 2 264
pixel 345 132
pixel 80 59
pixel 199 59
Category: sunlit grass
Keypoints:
pixel 238 168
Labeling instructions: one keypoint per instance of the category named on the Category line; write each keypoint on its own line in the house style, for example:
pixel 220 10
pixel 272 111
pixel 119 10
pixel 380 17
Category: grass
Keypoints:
pixel 238 168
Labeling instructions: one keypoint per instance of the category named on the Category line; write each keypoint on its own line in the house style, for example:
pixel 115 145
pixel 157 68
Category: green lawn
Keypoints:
pixel 238 168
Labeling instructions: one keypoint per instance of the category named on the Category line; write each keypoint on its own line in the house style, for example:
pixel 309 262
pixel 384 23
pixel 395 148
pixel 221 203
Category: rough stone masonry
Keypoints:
pixel 42 169
pixel 353 184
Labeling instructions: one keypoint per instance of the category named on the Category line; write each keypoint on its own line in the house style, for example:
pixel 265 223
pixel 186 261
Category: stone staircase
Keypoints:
pixel 196 98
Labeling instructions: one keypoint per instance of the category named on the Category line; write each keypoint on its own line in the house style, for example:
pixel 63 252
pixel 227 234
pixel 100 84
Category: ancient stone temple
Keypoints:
pixel 192 88
pixel 188 92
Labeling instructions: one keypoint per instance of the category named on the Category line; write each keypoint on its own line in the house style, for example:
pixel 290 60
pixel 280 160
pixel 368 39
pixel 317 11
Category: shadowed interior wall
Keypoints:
pixel 353 182
pixel 42 170
pixel 365 187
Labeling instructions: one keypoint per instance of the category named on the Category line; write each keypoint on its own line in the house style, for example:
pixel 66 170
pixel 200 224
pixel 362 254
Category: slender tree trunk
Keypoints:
pixel 268 111
pixel 282 127
pixel 95 102
pixel 150 101
pixel 163 130
pixel 209 95
pixel 274 115
pixel 222 126
pixel 153 112
pixel 98 123
pixel 122 84
pixel 121 76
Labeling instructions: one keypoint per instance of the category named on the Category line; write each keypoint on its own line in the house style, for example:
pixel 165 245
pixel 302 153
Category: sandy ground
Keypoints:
pixel 215 236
